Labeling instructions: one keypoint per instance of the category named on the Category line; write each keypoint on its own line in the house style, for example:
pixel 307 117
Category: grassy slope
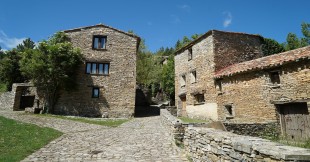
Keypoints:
pixel 18 140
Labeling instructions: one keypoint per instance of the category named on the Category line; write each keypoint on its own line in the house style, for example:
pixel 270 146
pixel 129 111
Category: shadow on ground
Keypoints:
pixel 147 111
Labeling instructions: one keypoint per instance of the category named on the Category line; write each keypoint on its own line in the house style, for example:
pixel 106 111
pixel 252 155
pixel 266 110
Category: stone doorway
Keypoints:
pixel 295 120
pixel 26 101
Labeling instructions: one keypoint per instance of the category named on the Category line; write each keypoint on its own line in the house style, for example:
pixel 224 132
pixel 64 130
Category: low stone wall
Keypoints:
pixel 7 100
pixel 172 109
pixel 266 130
pixel 174 125
pixel 208 144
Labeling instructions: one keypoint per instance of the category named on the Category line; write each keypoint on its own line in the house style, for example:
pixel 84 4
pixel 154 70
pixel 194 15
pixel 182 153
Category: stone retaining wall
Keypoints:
pixel 208 144
pixel 174 125
pixel 7 100
pixel 266 130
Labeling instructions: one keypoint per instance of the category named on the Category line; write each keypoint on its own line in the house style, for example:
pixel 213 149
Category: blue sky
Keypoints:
pixel 160 22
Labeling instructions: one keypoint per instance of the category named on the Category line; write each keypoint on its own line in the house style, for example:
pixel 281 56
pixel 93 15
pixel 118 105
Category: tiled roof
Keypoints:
pixel 265 62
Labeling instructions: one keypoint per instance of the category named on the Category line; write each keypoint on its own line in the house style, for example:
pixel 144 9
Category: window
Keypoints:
pixel 193 77
pixel 183 81
pixel 274 77
pixel 95 93
pixel 190 54
pixel 218 85
pixel 97 68
pixel 99 42
pixel 229 111
pixel 199 98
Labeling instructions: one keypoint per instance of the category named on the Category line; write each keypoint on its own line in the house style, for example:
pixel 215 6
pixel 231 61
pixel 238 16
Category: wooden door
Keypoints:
pixel 295 121
pixel 183 100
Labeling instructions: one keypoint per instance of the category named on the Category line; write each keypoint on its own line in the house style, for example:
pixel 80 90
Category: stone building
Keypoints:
pixel 224 76
pixel 197 62
pixel 275 88
pixel 107 78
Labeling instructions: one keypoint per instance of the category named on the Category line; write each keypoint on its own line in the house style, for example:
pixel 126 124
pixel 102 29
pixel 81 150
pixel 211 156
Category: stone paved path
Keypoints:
pixel 141 139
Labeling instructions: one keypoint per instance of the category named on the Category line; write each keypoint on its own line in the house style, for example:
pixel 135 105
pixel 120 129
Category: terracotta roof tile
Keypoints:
pixel 265 62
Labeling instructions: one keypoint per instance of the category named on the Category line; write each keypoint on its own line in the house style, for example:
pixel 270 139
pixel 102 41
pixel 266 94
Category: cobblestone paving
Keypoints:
pixel 141 139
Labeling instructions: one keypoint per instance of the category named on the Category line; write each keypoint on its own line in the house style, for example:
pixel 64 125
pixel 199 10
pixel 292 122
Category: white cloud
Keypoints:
pixel 7 42
pixel 228 19
pixel 175 19
pixel 185 7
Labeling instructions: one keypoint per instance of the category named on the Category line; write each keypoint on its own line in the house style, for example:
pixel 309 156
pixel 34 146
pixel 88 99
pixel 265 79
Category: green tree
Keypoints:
pixel 167 78
pixel 52 67
pixel 9 64
pixel 305 29
pixel 10 70
pixel 271 46
pixel 27 44
pixel 292 42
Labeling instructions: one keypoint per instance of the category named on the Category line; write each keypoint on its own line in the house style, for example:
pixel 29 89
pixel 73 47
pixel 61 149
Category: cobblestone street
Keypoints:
pixel 141 139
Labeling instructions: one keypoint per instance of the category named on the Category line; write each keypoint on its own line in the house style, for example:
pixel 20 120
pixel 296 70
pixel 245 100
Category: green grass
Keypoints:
pixel 190 120
pixel 18 140
pixel 2 88
pixel 104 122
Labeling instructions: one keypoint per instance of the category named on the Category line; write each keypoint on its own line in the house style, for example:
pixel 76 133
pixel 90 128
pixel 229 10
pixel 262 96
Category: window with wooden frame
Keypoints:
pixel 97 68
pixel 99 42
pixel 190 54
pixel 95 92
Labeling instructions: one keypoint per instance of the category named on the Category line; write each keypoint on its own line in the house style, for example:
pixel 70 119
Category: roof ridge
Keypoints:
pixel 101 25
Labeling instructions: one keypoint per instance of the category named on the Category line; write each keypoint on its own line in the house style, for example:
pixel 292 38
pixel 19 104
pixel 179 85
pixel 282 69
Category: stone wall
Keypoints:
pixel 201 62
pixel 252 96
pixel 7 101
pixel 117 90
pixel 173 124
pixel 208 144
pixel 231 48
pixel 216 50
pixel 263 130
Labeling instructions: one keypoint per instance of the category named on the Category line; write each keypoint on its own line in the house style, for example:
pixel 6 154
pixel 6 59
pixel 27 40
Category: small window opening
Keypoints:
pixel 95 93
pixel 218 84
pixel 190 54
pixel 183 81
pixel 229 111
pixel 199 98
pixel 193 77
pixel 274 77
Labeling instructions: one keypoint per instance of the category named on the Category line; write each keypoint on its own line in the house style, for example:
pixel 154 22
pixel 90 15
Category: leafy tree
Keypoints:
pixel 167 80
pixel 27 44
pixel 271 46
pixel 10 70
pixel 1 53
pixel 186 40
pixel 292 42
pixel 52 67
pixel 9 64
pixel 305 29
